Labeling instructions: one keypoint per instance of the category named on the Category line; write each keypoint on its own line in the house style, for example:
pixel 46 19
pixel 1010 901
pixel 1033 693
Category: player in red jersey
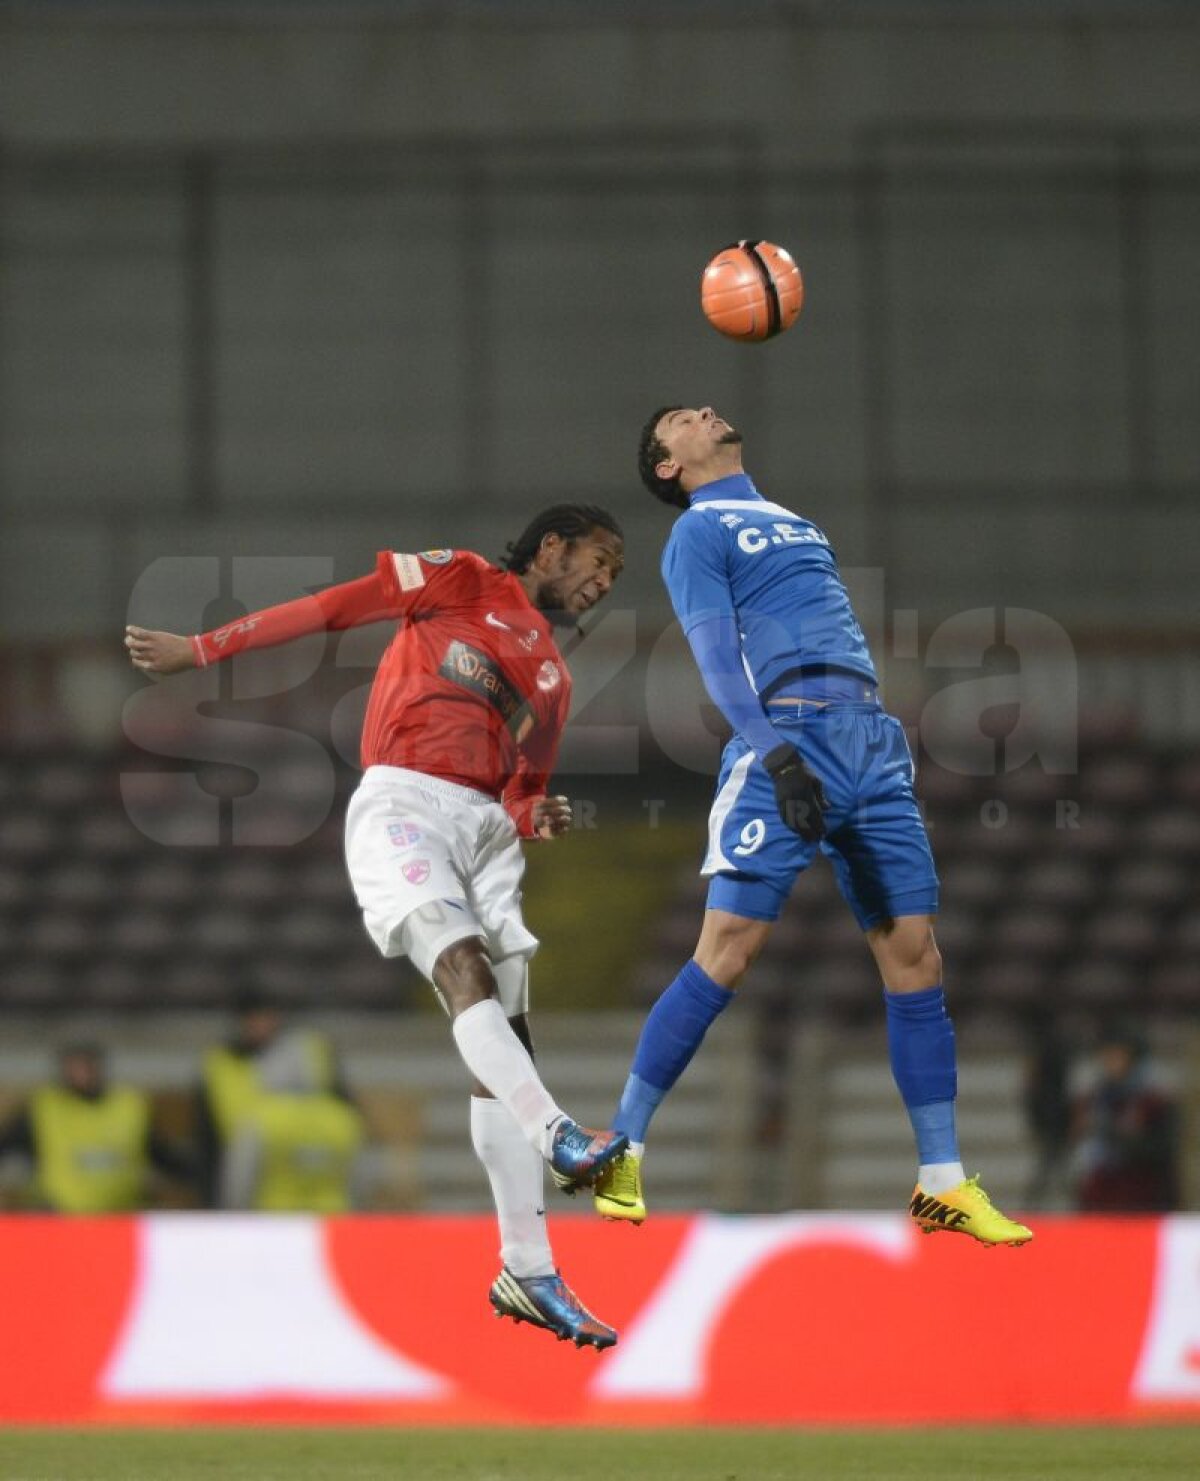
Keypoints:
pixel 460 739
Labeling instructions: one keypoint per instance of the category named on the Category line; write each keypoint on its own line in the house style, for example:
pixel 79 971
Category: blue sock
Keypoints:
pixel 924 1066
pixel 673 1031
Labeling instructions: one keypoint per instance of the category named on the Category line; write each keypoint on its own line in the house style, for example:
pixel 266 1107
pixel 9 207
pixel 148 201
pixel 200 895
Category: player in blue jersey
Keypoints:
pixel 814 764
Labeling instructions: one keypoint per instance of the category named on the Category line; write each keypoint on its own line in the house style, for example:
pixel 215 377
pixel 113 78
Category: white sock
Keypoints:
pixel 939 1177
pixel 638 1149
pixel 515 1172
pixel 498 1059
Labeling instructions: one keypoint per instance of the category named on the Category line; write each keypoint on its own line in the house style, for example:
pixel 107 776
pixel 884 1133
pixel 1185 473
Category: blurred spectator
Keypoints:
pixel 1047 1108
pixel 92 1145
pixel 229 1081
pixel 294 1144
pixel 1125 1132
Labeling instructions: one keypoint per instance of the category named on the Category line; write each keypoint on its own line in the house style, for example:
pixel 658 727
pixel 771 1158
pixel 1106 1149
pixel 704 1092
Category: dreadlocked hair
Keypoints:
pixel 569 521
pixel 651 453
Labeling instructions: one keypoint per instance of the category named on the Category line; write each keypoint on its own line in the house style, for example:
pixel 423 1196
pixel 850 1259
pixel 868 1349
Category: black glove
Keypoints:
pixel 799 794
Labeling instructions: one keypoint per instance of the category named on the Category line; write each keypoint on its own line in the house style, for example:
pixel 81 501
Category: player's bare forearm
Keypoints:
pixel 551 817
pixel 158 653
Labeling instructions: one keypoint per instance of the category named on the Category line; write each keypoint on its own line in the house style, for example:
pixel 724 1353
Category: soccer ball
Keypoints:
pixel 751 291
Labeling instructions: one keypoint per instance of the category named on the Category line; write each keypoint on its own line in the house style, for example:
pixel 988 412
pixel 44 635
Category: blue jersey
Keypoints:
pixel 733 554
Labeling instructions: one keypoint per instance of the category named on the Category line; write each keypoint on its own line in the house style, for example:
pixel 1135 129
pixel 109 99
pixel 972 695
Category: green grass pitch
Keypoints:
pixel 1013 1454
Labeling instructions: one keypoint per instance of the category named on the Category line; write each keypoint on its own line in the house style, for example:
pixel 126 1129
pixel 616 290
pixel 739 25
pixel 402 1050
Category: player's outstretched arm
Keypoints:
pixel 159 653
pixel 374 598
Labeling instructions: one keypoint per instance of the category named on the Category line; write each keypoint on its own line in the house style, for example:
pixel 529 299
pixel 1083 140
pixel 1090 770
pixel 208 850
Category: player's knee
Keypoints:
pixel 463 975
pixel 907 954
pixel 727 954
pixel 928 964
pixel 740 957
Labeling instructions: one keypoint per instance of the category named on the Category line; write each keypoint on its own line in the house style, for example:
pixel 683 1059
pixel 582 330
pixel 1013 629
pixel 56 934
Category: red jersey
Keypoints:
pixel 471 689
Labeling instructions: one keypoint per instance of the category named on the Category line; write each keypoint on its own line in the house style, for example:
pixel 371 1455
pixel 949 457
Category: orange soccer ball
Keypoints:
pixel 751 291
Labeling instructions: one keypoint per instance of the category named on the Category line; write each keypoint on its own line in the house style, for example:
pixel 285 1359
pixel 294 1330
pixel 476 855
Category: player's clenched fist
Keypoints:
pixel 551 816
pixel 159 653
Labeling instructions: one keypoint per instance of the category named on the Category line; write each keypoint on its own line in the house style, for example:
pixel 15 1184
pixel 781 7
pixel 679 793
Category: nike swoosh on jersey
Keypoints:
pixel 493 621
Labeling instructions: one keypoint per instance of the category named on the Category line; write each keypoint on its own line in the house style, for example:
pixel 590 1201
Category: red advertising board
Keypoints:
pixel 792 1318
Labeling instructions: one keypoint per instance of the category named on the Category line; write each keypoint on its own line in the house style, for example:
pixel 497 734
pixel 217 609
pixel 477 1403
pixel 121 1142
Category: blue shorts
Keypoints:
pixel 875 837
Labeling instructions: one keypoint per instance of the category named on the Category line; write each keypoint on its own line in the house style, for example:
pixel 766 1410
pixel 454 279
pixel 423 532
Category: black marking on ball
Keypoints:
pixel 774 309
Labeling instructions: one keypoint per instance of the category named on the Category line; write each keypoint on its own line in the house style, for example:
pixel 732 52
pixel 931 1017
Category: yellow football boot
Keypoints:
pixel 618 1190
pixel 965 1210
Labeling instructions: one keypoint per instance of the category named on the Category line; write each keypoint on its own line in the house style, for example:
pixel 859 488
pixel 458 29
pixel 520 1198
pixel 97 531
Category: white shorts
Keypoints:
pixel 433 863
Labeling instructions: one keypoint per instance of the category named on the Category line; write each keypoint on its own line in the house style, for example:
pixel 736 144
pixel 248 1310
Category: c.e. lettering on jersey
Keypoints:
pixel 752 539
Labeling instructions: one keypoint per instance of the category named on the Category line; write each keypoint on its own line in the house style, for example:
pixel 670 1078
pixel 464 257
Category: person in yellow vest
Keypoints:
pixel 294 1144
pixel 228 1081
pixel 92 1145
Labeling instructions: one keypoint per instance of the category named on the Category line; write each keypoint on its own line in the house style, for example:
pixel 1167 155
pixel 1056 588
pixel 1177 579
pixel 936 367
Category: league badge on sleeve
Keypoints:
pixel 437 557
